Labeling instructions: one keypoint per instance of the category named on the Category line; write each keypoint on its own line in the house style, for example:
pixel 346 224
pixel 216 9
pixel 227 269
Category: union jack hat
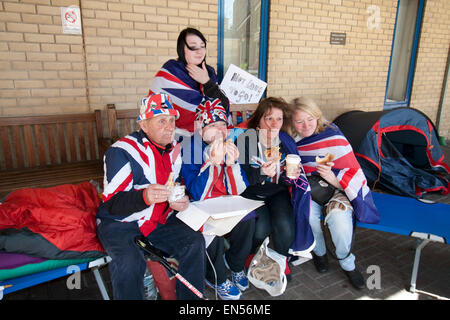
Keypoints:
pixel 210 111
pixel 157 104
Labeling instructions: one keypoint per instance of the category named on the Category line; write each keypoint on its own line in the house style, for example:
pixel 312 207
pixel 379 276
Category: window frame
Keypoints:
pixel 263 40
pixel 412 64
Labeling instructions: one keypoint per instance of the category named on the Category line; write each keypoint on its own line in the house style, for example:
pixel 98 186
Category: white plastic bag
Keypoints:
pixel 266 271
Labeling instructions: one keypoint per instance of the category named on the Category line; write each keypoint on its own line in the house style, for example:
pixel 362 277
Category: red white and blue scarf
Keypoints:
pixel 346 168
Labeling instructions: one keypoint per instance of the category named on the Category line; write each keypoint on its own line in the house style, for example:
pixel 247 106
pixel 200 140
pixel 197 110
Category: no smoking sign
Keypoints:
pixel 71 20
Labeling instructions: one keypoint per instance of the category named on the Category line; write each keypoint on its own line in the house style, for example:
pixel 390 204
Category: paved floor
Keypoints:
pixel 390 254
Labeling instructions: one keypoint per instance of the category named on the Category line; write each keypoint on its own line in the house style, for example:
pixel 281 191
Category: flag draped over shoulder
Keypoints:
pixel 186 93
pixel 346 168
pixel 301 199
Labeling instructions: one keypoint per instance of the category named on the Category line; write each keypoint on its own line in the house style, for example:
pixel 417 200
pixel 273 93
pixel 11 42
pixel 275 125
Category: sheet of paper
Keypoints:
pixel 218 216
pixel 219 227
pixel 193 216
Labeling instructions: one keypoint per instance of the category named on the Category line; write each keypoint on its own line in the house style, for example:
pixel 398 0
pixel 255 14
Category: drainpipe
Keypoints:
pixel 441 100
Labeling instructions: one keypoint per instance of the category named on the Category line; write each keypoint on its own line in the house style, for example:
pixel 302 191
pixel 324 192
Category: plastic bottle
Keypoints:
pixel 150 291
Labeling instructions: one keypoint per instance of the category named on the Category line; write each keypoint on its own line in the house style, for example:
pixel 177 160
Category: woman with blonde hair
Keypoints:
pixel 315 138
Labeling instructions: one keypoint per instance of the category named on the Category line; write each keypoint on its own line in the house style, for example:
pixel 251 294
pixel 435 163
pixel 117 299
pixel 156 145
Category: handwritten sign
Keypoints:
pixel 241 86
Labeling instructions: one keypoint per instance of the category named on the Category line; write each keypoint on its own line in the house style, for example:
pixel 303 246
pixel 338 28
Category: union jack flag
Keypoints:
pixel 346 168
pixel 185 93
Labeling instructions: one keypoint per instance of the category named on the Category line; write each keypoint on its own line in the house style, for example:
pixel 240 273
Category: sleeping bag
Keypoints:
pixel 51 223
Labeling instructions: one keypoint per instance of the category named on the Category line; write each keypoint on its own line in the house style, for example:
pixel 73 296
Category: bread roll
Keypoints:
pixel 327 158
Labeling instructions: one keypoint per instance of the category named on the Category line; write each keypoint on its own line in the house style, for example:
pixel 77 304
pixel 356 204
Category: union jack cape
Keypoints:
pixel 186 93
pixel 301 200
pixel 346 168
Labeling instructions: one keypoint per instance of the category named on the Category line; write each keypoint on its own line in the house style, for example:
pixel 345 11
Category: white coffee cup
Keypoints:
pixel 292 162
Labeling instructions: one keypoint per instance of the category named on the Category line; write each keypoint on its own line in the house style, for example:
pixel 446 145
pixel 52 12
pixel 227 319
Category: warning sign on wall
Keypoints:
pixel 71 20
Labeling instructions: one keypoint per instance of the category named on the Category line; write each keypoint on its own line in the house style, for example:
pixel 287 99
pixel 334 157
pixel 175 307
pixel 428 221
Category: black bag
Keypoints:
pixel 321 191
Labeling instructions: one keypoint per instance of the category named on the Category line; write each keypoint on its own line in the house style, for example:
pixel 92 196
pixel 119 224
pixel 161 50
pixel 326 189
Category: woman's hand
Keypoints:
pixel 156 193
pixel 269 168
pixel 296 172
pixel 181 204
pixel 325 172
pixel 198 74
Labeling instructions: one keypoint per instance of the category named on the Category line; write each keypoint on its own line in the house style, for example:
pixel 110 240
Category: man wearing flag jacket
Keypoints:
pixel 213 171
pixel 314 137
pixel 135 202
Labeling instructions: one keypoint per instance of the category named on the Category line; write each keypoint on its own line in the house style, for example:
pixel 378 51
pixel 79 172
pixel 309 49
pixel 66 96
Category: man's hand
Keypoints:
pixel 156 193
pixel 217 152
pixel 231 152
pixel 181 204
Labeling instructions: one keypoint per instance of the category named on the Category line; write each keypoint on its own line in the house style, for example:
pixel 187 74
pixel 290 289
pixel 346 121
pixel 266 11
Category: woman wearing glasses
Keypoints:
pixel 188 79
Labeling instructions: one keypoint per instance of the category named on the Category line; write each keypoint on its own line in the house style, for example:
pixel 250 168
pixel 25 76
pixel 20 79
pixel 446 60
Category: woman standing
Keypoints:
pixel 266 146
pixel 314 137
pixel 188 79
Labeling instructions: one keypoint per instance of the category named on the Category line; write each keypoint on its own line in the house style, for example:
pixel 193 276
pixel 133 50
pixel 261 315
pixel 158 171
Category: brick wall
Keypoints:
pixel 340 77
pixel 125 42
pixel 431 60
pixel 301 60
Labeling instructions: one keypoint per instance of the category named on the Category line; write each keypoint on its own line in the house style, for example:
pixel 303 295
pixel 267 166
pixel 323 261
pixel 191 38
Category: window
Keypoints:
pixel 243 26
pixel 403 53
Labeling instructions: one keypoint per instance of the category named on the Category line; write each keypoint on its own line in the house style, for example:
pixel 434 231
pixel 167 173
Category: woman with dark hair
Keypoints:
pixel 188 80
pixel 266 146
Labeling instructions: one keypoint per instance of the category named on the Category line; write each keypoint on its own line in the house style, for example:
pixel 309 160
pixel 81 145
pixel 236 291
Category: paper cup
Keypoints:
pixel 292 162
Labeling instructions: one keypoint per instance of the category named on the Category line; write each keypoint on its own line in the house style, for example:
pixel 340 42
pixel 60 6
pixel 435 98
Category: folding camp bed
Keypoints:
pixel 410 217
pixel 31 274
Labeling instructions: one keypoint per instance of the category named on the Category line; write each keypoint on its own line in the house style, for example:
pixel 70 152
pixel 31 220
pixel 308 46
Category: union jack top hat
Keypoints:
pixel 157 104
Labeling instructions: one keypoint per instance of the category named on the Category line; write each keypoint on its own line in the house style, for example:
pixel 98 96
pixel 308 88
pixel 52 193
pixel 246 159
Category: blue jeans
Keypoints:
pixel 127 267
pixel 340 225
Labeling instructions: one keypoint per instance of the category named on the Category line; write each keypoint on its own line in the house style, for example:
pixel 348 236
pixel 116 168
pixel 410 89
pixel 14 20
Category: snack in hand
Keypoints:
pixel 216 143
pixel 327 158
pixel 170 183
pixel 273 154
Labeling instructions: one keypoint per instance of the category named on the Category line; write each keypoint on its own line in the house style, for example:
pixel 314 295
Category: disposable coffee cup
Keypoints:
pixel 292 162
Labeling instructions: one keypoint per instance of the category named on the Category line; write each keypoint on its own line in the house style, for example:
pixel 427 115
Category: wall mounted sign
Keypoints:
pixel 338 38
pixel 71 20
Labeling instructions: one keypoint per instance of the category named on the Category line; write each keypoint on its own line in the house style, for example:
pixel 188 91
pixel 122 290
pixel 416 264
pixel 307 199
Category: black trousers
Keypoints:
pixel 128 264
pixel 240 239
pixel 275 217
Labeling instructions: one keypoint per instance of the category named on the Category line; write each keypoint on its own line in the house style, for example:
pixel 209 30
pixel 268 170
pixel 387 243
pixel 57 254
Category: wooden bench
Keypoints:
pixel 123 121
pixel 45 151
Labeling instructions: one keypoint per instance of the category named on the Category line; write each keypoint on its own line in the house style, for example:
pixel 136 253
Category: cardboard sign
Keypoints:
pixel 241 86
pixel 71 20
